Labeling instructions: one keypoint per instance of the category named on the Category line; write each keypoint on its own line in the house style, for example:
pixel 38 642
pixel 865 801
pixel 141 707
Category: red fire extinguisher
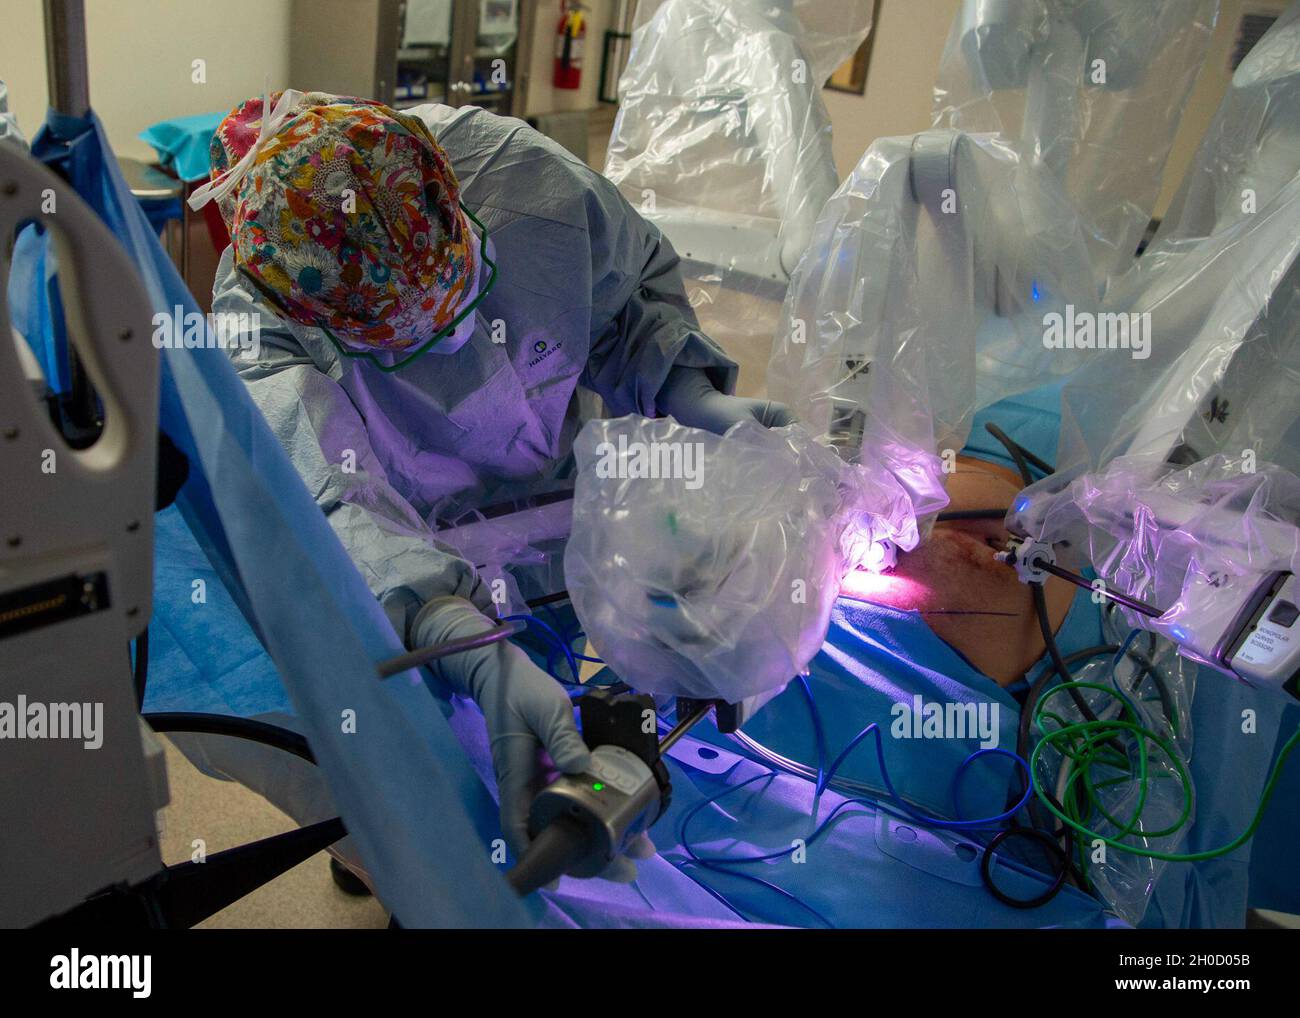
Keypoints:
pixel 569 36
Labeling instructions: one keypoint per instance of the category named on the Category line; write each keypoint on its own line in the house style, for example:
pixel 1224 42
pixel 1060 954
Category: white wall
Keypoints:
pixel 140 54
pixel 908 39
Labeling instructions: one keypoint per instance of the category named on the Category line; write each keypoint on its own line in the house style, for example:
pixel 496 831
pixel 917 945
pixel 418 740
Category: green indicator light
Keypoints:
pixel 598 787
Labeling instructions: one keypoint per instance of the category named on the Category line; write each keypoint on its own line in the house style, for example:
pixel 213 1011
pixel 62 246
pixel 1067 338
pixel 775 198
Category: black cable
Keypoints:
pixel 538 602
pixel 1019 453
pixel 1060 665
pixel 1021 457
pixel 1016 453
pixel 235 727
pixel 1036 690
pixel 1035 693
pixel 1035 461
pixel 1033 834
pixel 1037 820
pixel 140 670
pixel 1146 669
pixel 1054 650
pixel 1040 599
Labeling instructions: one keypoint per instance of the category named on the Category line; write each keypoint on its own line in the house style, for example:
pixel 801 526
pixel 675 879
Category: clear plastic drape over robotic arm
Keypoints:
pixel 942 250
pixel 1221 285
pixel 724 142
pixel 1177 482
pixel 933 269
pixel 1092 90
pixel 938 247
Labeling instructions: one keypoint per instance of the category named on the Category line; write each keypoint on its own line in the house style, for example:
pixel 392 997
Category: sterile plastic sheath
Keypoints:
pixel 1216 297
pixel 1249 152
pixel 1189 541
pixel 705 566
pixel 941 252
pixel 1151 686
pixel 1092 90
pixel 723 141
pixel 1195 543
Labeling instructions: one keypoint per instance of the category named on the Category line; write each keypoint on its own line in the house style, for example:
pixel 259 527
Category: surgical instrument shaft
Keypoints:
pixel 424 655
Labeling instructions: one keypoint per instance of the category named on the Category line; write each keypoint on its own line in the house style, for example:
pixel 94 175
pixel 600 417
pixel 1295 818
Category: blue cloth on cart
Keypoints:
pixel 182 143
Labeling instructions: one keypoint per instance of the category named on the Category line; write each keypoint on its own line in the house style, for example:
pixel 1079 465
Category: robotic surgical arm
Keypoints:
pixel 1048 49
pixel 1204 555
pixel 1185 524
pixel 930 271
pixel 724 131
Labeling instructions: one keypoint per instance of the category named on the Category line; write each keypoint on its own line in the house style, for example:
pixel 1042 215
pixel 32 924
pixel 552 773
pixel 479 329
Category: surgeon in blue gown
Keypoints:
pixel 561 285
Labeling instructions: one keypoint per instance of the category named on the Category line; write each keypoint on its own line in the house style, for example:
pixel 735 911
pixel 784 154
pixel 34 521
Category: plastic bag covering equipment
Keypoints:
pixel 706 566
pixel 1220 287
pixel 1126 882
pixel 933 270
pixel 1193 542
pixel 401 780
pixel 723 141
pixel 1092 90
pixel 940 254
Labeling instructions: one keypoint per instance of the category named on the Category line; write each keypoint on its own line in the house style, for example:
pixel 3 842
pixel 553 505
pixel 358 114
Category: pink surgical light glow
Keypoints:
pixel 867 586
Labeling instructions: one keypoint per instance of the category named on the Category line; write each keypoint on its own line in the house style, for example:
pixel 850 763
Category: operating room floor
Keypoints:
pixel 225 814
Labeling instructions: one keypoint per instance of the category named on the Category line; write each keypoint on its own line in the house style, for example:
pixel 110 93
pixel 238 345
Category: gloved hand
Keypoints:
pixel 689 396
pixel 526 711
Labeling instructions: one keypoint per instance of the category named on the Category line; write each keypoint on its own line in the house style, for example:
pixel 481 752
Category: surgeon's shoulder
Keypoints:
pixel 506 165
pixel 261 339
pixel 229 290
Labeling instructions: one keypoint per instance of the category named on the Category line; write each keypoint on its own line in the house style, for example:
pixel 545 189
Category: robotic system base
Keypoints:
pixel 76 588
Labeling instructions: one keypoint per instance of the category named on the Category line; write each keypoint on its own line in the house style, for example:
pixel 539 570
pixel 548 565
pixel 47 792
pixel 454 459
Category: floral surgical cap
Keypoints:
pixel 349 218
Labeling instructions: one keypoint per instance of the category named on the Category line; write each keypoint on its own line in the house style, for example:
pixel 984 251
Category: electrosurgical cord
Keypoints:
pixel 1022 458
pixel 955 515
pixel 1019 457
pixel 1085 745
pixel 1019 454
pixel 185 722
pixel 900 809
pixel 1090 742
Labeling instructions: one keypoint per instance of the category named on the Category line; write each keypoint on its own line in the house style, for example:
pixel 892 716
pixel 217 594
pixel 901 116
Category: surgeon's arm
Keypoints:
pixel 653 358
pixel 429 593
pixel 648 324
pixel 321 430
